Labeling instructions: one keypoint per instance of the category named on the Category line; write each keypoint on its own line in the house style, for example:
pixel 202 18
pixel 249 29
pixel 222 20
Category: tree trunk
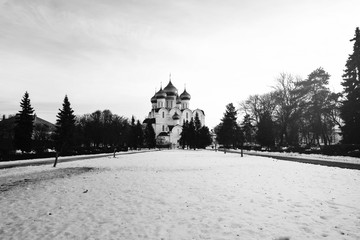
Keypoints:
pixel 56 158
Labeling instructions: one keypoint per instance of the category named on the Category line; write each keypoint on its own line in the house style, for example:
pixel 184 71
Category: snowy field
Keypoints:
pixel 180 195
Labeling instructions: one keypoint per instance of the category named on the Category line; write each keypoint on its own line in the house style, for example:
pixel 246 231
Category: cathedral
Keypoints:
pixel 169 112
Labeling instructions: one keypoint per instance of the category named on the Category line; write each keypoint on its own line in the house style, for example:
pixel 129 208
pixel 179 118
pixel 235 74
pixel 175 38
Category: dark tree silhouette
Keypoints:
pixel 184 136
pixel 228 132
pixel 41 137
pixel 24 125
pixel 139 132
pixel 315 96
pixel 350 109
pixel 204 137
pixel 265 133
pixel 192 134
pixel 133 134
pixel 149 135
pixel 197 127
pixel 65 126
pixel 248 130
pixel 101 131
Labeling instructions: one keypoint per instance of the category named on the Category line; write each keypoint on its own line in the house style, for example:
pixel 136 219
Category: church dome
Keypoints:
pixel 153 99
pixel 176 116
pixel 185 95
pixel 160 94
pixel 170 90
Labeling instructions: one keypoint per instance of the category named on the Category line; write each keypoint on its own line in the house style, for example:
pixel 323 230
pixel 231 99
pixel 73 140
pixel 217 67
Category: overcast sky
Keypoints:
pixel 113 54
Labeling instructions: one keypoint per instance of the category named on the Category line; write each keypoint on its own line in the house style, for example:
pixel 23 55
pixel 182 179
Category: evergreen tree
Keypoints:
pixel 228 131
pixel 197 127
pixel 350 109
pixel 133 134
pixel 204 137
pixel 248 129
pixel 265 133
pixel 197 123
pixel 184 136
pixel 314 99
pixel 65 127
pixel 192 134
pixel 24 125
pixel 149 135
pixel 139 134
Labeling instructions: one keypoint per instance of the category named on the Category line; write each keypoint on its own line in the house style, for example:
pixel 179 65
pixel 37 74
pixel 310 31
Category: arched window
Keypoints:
pixel 187 116
pixel 163 114
pixel 163 128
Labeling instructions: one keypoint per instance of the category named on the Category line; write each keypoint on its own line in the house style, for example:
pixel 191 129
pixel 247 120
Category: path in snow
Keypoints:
pixel 182 195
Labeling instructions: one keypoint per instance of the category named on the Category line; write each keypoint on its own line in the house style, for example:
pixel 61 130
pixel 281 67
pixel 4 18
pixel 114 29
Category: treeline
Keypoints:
pixel 300 114
pixel 98 132
pixel 297 112
pixel 194 135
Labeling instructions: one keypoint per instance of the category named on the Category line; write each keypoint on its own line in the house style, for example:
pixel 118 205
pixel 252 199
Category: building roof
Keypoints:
pixel 200 111
pixel 163 134
pixel 185 95
pixel 41 121
pixel 160 94
pixel 176 116
pixel 153 99
pixel 149 120
pixel 170 89
pixel 10 123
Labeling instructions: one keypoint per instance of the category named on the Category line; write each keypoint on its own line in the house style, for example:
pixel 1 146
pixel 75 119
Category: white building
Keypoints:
pixel 169 112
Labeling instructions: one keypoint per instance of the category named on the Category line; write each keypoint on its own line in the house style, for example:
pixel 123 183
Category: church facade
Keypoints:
pixel 169 112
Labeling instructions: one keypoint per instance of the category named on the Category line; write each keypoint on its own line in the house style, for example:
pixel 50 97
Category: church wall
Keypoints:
pixel 168 102
pixel 175 135
pixel 201 116
pixel 175 110
pixel 186 115
pixel 161 121
pixel 185 104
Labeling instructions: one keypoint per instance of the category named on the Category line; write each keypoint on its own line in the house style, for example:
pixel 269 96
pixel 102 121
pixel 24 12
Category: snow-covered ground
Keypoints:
pixel 180 194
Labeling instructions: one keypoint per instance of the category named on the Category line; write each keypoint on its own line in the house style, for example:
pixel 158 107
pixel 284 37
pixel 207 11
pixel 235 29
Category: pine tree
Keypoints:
pixel 65 126
pixel 139 134
pixel 265 134
pixel 24 125
pixel 149 135
pixel 248 129
pixel 133 134
pixel 228 132
pixel 350 109
pixel 314 95
pixel 184 136
pixel 204 137
pixel 192 134
pixel 197 125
